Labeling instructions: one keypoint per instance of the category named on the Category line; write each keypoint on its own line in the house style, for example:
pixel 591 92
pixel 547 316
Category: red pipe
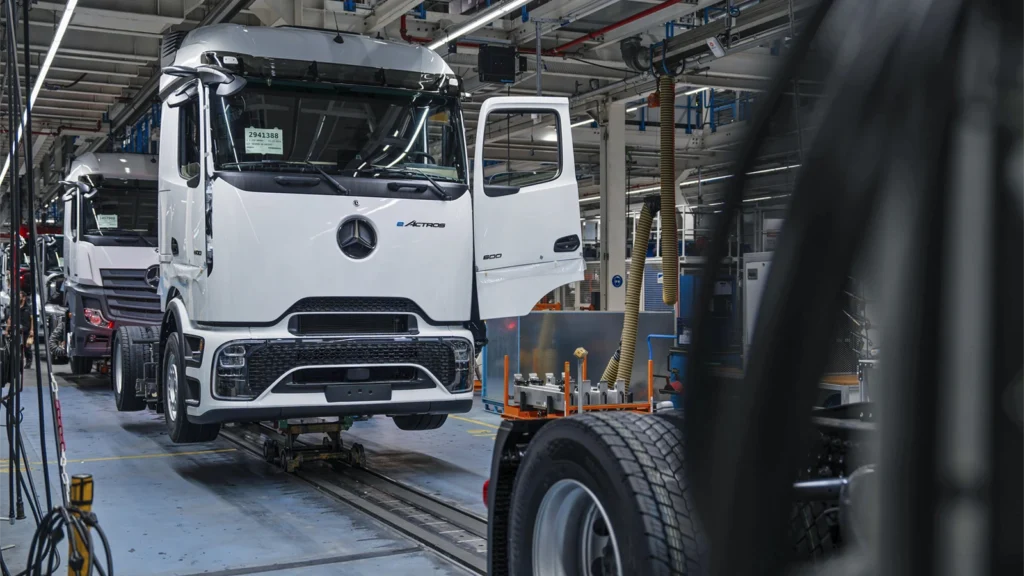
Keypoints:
pixel 610 27
pixel 411 39
pixel 420 40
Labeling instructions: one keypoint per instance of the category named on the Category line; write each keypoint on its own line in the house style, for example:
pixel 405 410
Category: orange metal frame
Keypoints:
pixel 510 412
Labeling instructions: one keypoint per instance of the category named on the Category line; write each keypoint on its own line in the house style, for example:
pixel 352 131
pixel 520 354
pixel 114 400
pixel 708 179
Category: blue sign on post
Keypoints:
pixel 617 281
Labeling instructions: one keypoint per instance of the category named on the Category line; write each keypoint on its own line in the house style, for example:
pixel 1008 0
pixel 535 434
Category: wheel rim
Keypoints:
pixel 172 386
pixel 117 369
pixel 573 535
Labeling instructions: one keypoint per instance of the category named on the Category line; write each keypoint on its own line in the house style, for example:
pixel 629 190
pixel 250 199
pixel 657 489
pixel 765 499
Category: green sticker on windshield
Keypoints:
pixel 264 141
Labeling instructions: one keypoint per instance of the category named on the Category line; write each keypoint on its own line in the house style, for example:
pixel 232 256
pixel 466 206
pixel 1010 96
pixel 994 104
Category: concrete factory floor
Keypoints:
pixel 215 509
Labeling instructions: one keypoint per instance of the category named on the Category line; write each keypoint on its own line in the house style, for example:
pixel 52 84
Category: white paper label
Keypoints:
pixel 264 141
pixel 106 220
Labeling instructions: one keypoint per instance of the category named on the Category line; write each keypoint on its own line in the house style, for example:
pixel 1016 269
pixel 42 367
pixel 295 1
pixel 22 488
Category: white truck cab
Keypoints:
pixel 326 246
pixel 110 251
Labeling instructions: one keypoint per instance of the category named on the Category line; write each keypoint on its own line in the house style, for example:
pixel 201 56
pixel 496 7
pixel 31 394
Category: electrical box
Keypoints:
pixel 497 64
pixel 755 274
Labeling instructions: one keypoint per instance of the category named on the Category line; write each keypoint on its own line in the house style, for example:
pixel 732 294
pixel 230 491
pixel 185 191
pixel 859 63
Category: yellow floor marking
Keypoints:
pixel 470 420
pixel 6 463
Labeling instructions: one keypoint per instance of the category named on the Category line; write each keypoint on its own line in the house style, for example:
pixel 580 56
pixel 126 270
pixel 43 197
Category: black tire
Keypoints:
pixel 81 365
pixel 124 360
pixel 172 387
pixel 633 466
pixel 420 421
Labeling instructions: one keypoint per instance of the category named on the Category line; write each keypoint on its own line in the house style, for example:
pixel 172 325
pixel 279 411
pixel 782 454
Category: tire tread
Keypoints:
pixel 420 421
pixel 648 453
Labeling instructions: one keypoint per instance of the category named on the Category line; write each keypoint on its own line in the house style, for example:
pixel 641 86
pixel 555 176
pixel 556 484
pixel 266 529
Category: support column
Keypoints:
pixel 613 208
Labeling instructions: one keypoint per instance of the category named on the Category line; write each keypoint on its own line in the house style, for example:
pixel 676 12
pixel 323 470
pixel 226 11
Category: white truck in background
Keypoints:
pixel 110 251
pixel 326 246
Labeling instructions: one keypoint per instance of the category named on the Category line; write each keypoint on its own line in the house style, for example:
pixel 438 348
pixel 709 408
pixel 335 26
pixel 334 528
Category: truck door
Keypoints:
pixel 526 210
pixel 70 237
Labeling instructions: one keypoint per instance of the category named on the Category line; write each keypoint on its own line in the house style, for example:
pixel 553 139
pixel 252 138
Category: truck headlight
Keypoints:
pixel 231 373
pixel 95 317
pixel 463 351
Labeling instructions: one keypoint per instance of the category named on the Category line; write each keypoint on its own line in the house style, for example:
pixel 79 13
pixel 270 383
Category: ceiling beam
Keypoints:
pixel 81 71
pixel 120 56
pixel 555 15
pixel 387 12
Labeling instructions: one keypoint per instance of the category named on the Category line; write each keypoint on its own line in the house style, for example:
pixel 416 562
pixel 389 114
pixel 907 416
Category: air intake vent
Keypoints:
pixel 169 46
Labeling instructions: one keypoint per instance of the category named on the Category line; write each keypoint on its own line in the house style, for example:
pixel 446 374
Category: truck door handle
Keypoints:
pixel 174 247
pixel 567 243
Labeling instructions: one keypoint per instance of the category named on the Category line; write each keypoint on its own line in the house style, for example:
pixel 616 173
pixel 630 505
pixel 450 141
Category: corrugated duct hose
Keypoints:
pixel 621 364
pixel 669 239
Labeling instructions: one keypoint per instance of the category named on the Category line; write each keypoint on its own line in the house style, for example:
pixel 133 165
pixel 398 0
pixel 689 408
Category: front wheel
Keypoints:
pixel 420 421
pixel 604 495
pixel 173 383
pixel 122 373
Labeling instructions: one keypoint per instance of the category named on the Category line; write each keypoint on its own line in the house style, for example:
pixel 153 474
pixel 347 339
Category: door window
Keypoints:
pixel 525 149
pixel 188 141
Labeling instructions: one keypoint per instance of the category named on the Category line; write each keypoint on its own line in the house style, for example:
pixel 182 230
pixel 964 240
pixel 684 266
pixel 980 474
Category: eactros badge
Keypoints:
pixel 416 224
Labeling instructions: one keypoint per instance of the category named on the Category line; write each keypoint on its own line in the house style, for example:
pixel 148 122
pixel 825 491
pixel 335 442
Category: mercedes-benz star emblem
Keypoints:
pixel 153 277
pixel 357 238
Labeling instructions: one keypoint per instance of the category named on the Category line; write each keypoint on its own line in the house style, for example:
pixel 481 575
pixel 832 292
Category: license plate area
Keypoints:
pixel 369 392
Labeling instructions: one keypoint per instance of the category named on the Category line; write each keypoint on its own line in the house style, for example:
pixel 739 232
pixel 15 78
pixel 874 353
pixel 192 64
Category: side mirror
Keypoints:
pixel 181 95
pixel 226 82
pixel 76 188
pixel 231 88
pixel 212 75
pixel 180 71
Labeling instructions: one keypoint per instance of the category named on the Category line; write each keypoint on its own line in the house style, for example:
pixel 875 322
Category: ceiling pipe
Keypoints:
pixel 404 32
pixel 602 31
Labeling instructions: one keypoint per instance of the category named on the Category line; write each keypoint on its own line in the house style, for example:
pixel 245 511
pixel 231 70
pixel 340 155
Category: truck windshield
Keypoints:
pixel 121 208
pixel 345 131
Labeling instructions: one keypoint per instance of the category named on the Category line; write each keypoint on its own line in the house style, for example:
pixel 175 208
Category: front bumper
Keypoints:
pixel 125 306
pixel 296 377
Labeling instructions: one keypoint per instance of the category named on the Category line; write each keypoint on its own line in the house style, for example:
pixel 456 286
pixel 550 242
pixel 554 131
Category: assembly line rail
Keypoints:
pixel 456 534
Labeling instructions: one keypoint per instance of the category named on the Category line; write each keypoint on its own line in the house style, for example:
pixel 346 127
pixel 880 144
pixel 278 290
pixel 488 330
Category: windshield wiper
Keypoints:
pixel 337 185
pixel 260 163
pixel 146 240
pixel 413 172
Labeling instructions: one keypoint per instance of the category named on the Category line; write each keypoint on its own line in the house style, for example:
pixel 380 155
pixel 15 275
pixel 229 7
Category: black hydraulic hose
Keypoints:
pixel 34 269
pixel 888 127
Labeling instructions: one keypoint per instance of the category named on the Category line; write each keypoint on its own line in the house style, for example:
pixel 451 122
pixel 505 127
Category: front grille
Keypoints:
pixel 356 304
pixel 268 363
pixel 356 324
pixel 129 297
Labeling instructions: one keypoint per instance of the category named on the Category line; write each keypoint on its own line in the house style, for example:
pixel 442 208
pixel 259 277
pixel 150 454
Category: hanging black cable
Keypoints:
pixel 33 267
pixel 9 353
pixel 14 107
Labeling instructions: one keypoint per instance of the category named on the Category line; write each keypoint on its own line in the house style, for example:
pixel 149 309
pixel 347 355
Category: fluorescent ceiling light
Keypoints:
pixel 581 123
pixel 485 17
pixel 696 91
pixel 65 19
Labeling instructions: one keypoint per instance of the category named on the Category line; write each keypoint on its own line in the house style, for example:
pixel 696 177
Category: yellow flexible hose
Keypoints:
pixel 669 239
pixel 633 286
pixel 612 370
